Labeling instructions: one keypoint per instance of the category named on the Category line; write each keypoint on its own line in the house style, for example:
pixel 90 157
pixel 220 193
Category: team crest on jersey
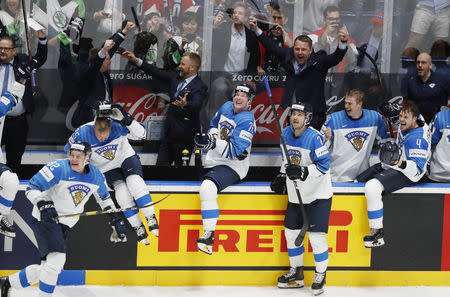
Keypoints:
pixel 295 156
pixel 225 130
pixel 78 193
pixel 107 151
pixel 357 139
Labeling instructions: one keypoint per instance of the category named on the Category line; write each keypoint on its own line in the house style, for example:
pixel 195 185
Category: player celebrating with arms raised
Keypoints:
pixel 228 143
pixel 310 164
pixel 61 187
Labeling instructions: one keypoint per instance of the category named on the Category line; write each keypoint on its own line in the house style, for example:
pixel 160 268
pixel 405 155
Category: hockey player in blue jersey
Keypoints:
pixel 310 167
pixel 9 182
pixel 115 157
pixel 228 143
pixel 350 135
pixel 402 164
pixel 439 169
pixel 61 187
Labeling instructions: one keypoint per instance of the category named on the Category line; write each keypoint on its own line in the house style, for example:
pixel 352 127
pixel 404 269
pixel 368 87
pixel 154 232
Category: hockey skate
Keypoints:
pixel 153 225
pixel 6 228
pixel 319 282
pixel 374 239
pixel 205 243
pixel 4 286
pixel 292 279
pixel 142 235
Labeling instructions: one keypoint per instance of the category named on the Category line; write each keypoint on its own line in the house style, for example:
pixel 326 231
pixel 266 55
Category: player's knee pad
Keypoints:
pixel 123 195
pixel 55 262
pixel 208 190
pixel 136 185
pixel 318 241
pixel 10 184
pixel 373 189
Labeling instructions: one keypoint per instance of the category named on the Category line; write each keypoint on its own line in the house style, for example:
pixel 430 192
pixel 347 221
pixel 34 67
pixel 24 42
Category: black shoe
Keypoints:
pixel 374 239
pixel 319 282
pixel 292 279
pixel 4 286
pixel 153 225
pixel 6 228
pixel 206 242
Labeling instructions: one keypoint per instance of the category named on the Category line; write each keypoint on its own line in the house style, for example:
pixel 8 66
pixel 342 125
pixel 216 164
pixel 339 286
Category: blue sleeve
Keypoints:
pixel 7 102
pixel 102 190
pixel 74 137
pixel 416 150
pixel 381 130
pixel 241 139
pixel 436 131
pixel 320 155
pixel 47 177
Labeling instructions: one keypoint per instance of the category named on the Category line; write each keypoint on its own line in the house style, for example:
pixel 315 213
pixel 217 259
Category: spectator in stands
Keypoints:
pixel 372 43
pixel 187 92
pixel 439 169
pixel 9 18
pixel 327 39
pixel 187 42
pixel 427 89
pixel 305 70
pixel 432 17
pixel 152 24
pixel 312 14
pixel 350 135
pixel 440 52
pixel 15 129
pixel 235 50
pixel 278 33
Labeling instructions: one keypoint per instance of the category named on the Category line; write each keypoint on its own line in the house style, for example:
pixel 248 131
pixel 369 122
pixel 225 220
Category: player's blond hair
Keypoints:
pixel 357 94
pixel 102 124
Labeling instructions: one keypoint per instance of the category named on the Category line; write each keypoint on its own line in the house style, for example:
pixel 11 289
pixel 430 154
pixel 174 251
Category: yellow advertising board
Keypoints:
pixel 250 233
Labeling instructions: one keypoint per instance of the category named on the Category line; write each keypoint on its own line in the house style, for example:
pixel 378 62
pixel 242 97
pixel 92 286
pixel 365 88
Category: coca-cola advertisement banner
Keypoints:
pixel 146 98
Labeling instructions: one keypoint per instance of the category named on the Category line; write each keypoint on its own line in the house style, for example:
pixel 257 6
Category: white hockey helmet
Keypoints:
pixel 303 107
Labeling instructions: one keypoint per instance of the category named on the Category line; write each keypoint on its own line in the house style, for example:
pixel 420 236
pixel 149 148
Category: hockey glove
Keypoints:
pixel 119 228
pixel 120 115
pixel 297 172
pixel 389 153
pixel 17 90
pixel 279 184
pixel 205 141
pixel 48 211
pixel 26 68
pixel 391 111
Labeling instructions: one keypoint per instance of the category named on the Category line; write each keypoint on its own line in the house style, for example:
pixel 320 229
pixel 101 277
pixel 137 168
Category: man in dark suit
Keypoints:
pixel 305 70
pixel 187 92
pixel 15 130
pixel 93 78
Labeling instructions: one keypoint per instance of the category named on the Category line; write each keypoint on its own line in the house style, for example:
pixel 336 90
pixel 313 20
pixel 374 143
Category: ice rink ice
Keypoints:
pixel 221 291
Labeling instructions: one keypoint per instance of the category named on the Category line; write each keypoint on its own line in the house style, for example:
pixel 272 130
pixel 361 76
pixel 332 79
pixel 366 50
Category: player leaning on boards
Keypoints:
pixel 228 143
pixel 60 187
pixel 117 160
pixel 350 135
pixel 9 182
pixel 402 164
pixel 310 167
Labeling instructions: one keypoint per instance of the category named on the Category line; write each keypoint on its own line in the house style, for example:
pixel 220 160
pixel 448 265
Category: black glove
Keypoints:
pixel 296 172
pixel 390 152
pixel 119 228
pixel 119 114
pixel 48 211
pixel 279 184
pixel 205 141
pixel 26 68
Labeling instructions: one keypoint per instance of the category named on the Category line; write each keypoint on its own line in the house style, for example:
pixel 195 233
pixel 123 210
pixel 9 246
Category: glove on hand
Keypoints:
pixel 48 211
pixel 297 172
pixel 17 90
pixel 389 153
pixel 279 184
pixel 26 68
pixel 205 141
pixel 119 114
pixel 119 228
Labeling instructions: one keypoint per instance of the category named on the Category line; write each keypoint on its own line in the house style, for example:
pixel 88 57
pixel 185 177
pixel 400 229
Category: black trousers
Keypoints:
pixel 14 137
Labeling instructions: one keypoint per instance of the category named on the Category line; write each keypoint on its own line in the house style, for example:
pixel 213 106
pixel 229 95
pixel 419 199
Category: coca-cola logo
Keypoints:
pixel 266 126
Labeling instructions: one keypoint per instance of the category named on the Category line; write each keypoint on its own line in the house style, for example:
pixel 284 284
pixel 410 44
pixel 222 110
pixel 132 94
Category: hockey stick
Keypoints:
pixel 27 35
pixel 380 82
pixel 133 11
pixel 99 212
pixel 301 235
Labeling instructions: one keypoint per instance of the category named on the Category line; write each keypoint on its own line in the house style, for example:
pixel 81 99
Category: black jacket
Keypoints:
pixel 181 123
pixel 309 83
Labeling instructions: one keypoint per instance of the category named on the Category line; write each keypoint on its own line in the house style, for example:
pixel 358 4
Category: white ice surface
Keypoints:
pixel 220 291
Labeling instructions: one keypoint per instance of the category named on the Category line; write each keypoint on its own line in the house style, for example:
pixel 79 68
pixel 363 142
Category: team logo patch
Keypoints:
pixel 295 156
pixel 108 151
pixel 357 139
pixel 78 193
pixel 225 130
